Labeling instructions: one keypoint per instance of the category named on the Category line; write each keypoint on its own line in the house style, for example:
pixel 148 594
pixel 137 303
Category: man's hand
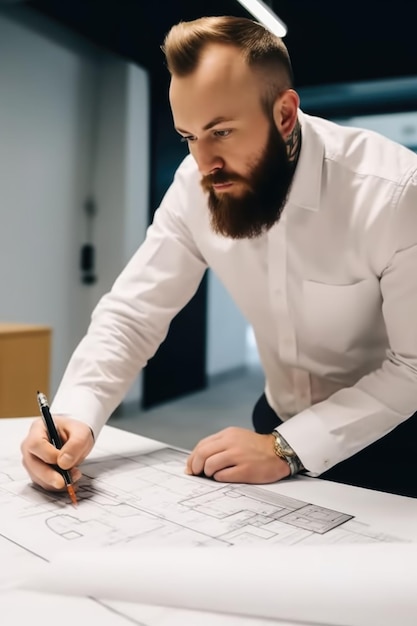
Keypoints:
pixel 39 454
pixel 237 455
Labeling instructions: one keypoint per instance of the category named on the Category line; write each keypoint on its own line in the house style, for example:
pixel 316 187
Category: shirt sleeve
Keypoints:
pixel 354 417
pixel 130 322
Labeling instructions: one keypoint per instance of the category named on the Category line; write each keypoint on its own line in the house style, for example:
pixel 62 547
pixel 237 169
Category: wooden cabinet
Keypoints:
pixel 24 368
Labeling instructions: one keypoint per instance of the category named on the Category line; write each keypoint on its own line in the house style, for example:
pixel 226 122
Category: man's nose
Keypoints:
pixel 207 160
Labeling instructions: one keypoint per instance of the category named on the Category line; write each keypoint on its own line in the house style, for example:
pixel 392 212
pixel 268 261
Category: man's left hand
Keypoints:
pixel 237 455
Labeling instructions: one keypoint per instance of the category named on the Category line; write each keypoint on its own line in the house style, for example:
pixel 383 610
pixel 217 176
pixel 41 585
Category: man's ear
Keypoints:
pixel 285 112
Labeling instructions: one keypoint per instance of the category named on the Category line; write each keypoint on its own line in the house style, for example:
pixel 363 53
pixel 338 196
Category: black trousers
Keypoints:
pixel 389 464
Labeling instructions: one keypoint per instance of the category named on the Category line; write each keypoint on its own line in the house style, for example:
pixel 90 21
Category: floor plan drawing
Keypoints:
pixel 145 498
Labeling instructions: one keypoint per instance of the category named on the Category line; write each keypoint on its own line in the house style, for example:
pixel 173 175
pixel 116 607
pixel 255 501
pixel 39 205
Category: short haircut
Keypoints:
pixel 262 51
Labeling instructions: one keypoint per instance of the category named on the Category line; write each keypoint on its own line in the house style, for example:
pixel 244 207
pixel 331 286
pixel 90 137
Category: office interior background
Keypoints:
pixel 87 150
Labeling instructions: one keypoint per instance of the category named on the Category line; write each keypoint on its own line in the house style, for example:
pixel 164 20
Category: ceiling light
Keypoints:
pixel 266 16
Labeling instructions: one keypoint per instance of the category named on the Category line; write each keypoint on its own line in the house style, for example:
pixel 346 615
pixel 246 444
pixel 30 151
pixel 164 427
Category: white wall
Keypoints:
pixel 73 121
pixel 137 173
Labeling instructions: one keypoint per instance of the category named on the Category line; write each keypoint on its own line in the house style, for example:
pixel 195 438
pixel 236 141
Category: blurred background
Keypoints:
pixel 87 150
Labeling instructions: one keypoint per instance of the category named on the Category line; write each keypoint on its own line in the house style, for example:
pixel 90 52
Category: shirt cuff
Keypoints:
pixel 316 448
pixel 82 406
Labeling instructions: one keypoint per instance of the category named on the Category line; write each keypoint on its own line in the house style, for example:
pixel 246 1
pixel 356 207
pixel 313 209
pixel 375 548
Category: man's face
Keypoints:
pixel 240 153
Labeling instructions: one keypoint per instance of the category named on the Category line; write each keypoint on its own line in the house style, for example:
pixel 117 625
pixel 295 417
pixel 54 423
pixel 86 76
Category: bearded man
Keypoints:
pixel 312 228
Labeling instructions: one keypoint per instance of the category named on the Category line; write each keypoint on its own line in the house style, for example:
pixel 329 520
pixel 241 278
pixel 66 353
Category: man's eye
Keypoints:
pixel 222 133
pixel 187 139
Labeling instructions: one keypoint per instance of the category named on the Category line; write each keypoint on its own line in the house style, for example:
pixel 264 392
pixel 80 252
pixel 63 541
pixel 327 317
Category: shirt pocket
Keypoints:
pixel 340 318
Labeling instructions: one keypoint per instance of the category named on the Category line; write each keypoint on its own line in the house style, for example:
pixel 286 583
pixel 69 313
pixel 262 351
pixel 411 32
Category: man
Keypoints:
pixel 312 227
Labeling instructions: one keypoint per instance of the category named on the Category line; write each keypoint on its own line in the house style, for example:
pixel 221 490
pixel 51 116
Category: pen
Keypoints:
pixel 55 439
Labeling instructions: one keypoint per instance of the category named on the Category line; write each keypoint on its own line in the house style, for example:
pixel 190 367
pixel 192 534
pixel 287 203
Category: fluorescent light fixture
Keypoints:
pixel 266 16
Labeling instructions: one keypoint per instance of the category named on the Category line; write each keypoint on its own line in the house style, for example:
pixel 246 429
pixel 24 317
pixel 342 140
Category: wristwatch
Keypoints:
pixel 285 452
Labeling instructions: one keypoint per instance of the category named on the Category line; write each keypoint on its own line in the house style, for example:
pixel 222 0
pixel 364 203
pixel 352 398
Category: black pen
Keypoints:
pixel 55 439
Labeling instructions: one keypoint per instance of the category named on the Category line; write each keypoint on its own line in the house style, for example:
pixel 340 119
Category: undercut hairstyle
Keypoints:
pixel 263 52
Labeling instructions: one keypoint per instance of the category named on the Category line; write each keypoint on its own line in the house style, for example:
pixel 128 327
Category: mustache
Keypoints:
pixel 217 178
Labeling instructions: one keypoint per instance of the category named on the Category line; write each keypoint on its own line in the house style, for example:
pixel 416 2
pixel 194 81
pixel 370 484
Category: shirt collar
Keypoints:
pixel 306 185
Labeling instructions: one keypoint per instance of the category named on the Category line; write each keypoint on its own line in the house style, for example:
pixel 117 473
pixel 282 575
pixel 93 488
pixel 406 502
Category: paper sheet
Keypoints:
pixel 22 607
pixel 135 495
pixel 144 498
pixel 336 585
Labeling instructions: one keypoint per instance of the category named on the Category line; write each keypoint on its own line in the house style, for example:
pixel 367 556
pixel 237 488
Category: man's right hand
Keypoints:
pixel 39 454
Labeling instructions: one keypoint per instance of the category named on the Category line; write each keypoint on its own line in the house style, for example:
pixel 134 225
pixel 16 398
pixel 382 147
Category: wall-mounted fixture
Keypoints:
pixel 87 255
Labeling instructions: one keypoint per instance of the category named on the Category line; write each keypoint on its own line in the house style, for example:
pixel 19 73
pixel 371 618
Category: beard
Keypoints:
pixel 260 205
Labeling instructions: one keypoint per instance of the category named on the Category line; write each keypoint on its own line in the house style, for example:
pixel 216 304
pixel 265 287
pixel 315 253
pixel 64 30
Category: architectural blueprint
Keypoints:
pixel 147 498
pixel 140 497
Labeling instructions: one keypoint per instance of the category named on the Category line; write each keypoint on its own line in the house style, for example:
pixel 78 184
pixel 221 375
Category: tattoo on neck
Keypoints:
pixel 293 144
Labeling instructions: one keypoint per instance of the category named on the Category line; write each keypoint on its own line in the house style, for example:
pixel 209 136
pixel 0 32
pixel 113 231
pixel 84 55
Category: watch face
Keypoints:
pixel 286 453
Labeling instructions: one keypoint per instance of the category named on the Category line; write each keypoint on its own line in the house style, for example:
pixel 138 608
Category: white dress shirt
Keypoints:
pixel 330 291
